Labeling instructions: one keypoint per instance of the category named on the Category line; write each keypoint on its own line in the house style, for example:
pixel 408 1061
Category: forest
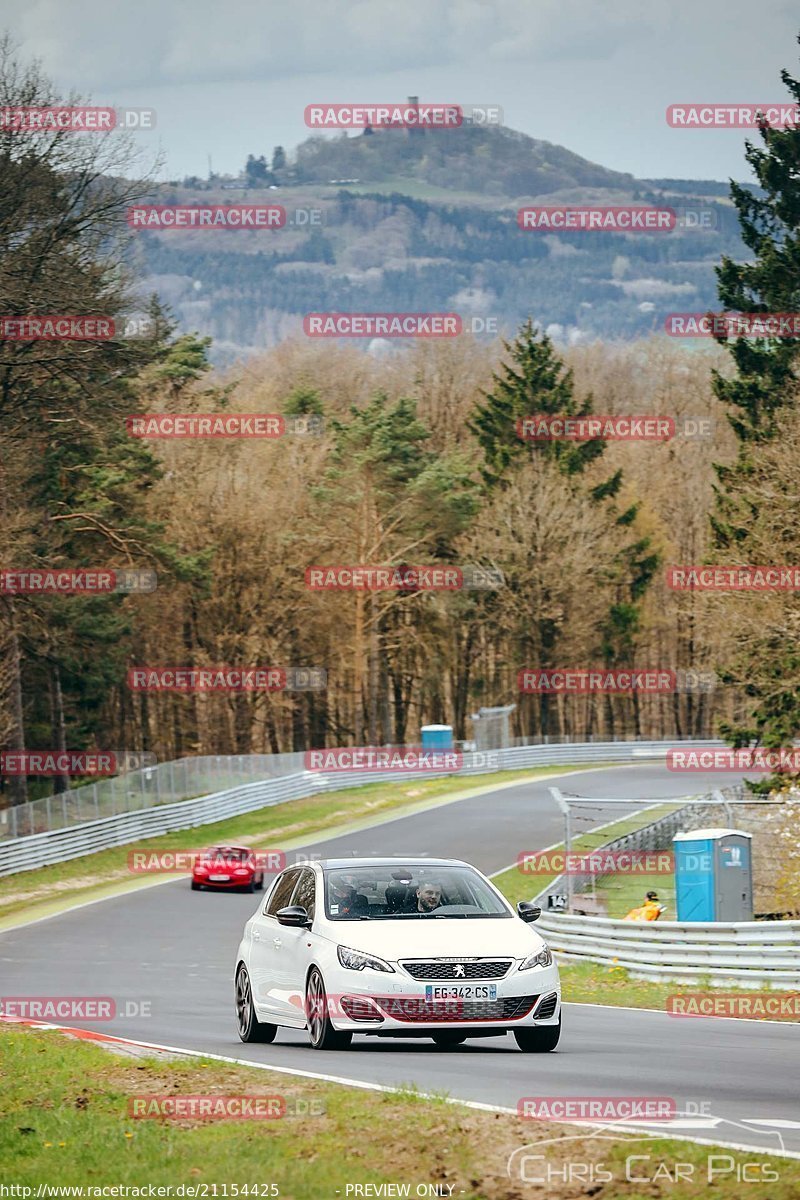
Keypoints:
pixel 408 457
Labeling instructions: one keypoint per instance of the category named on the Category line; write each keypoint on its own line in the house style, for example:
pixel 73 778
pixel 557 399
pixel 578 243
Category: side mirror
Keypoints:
pixel 528 912
pixel 295 915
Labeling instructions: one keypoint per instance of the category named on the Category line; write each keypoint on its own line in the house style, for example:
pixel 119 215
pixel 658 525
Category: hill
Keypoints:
pixel 493 162
pixel 428 223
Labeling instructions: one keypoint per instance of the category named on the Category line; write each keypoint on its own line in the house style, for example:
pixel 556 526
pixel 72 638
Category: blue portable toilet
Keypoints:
pixel 437 737
pixel 713 875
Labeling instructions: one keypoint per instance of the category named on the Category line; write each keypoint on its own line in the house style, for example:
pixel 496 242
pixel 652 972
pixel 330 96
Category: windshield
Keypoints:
pixel 232 854
pixel 407 892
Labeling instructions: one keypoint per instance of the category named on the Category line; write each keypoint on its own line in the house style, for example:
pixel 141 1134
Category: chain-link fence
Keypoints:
pixel 165 783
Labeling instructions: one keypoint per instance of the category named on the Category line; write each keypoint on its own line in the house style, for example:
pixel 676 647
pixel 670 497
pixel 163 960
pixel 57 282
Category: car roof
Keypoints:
pixel 229 846
pixel 411 860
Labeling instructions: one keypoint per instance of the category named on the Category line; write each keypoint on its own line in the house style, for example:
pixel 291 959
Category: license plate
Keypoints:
pixel 219 879
pixel 461 991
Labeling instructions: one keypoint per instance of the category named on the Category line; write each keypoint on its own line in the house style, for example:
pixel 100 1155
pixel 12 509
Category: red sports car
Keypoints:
pixel 228 867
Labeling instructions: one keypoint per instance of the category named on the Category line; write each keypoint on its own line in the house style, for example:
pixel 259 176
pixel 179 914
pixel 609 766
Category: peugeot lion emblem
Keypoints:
pixel 458 969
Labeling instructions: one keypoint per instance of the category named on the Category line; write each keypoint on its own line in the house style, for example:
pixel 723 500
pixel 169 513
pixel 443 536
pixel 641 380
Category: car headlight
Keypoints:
pixel 356 960
pixel 543 959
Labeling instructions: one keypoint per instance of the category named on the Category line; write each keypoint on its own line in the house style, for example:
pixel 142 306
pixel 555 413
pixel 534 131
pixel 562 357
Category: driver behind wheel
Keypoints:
pixel 429 897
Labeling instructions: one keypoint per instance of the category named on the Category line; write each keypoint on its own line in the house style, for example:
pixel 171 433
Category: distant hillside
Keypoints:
pixel 494 161
pixel 428 223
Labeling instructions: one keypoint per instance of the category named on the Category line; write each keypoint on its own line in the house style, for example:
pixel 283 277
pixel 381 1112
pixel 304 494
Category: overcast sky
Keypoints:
pixel 232 77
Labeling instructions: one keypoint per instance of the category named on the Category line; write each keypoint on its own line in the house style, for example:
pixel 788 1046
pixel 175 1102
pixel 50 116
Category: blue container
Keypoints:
pixel 713 875
pixel 437 737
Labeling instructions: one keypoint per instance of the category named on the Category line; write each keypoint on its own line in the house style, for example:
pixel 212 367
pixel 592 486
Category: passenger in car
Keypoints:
pixel 344 900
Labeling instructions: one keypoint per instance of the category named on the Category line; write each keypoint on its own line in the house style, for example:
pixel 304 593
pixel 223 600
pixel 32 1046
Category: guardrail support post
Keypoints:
pixel 718 795
pixel 564 806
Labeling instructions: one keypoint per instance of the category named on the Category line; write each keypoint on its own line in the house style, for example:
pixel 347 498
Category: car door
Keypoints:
pixel 265 944
pixel 294 952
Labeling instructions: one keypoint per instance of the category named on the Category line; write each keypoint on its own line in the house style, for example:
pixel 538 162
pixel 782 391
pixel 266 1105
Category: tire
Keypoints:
pixel 251 886
pixel 196 887
pixel 249 1027
pixel 321 1033
pixel 448 1038
pixel 260 884
pixel 538 1040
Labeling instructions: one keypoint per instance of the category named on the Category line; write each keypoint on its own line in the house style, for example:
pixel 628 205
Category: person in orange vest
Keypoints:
pixel 651 910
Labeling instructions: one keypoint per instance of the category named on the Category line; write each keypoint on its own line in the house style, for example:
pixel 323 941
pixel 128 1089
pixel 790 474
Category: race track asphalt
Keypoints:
pixel 173 949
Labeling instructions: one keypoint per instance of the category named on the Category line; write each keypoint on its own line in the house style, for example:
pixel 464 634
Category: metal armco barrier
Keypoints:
pixel 749 954
pixel 58 845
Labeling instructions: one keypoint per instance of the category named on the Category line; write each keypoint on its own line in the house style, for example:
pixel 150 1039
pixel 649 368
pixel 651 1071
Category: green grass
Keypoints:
pixel 598 983
pixel 64 1121
pixel 517 885
pixel 278 827
pixel 624 892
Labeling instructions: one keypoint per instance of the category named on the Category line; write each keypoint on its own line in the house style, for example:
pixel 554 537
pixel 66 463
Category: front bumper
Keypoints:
pixel 233 882
pixel 372 1001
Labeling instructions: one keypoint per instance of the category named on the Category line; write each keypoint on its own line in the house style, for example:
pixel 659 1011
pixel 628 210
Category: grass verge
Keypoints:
pixel 621 893
pixel 597 983
pixel 516 884
pixel 64 1121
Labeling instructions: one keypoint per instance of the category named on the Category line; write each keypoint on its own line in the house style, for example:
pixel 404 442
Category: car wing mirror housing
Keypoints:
pixel 295 915
pixel 528 912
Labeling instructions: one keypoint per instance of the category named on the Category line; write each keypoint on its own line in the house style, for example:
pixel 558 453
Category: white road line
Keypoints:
pixel 774 1122
pixel 364 1085
pixel 679 1123
pixel 63 912
pixel 663 1013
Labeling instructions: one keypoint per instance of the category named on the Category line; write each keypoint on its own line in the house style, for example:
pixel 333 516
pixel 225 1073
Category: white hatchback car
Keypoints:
pixel 395 948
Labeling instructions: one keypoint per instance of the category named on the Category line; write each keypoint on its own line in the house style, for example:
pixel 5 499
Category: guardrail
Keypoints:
pixel 145 787
pixel 743 954
pixel 57 845
pixel 201 775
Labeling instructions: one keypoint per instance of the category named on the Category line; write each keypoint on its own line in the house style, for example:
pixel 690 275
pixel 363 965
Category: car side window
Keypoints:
pixel 281 893
pixel 305 892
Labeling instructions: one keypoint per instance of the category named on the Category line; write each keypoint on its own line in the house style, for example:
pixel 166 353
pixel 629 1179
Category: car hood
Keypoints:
pixel 443 938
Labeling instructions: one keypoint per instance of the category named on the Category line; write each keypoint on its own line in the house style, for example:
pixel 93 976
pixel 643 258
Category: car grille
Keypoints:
pixel 417 1010
pixel 547 1007
pixel 442 968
